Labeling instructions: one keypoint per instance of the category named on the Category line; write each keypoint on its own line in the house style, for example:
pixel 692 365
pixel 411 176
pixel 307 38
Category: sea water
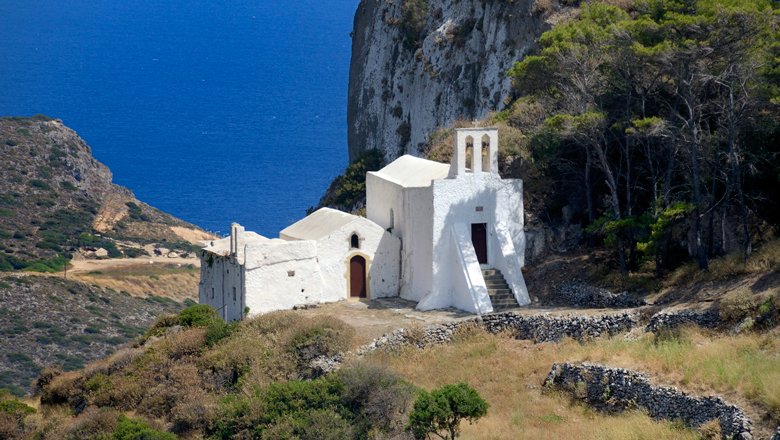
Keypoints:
pixel 213 111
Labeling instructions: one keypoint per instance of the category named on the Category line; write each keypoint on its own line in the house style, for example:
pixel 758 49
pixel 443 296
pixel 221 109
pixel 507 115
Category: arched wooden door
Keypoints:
pixel 357 277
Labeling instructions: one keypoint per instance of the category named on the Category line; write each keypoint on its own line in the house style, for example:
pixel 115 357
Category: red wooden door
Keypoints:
pixel 479 240
pixel 357 277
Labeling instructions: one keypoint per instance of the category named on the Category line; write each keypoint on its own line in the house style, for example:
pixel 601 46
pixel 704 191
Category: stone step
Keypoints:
pixel 496 283
pixel 501 296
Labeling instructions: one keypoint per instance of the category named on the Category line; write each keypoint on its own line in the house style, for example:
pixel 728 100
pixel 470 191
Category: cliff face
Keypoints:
pixel 421 64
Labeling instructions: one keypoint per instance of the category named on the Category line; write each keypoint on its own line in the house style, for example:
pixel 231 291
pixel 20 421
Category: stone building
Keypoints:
pixel 441 235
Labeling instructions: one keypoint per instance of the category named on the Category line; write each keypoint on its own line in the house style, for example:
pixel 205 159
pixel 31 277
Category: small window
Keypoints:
pixel 234 293
pixel 212 293
pixel 290 273
pixel 355 242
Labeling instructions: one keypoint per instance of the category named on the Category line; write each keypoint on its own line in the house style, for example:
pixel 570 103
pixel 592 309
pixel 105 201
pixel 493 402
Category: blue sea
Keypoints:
pixel 213 111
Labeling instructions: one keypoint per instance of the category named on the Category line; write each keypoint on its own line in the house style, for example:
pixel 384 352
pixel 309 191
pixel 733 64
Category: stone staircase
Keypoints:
pixel 501 295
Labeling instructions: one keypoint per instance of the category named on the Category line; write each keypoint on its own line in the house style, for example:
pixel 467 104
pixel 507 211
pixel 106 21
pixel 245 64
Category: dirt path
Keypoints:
pixel 82 266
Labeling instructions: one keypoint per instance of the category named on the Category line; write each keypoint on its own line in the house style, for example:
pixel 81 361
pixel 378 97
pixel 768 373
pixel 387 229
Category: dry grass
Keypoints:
pixel 169 280
pixel 764 259
pixel 743 366
pixel 509 374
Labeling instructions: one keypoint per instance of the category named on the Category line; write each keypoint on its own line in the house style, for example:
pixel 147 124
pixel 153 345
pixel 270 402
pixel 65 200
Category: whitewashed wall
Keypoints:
pixel 280 276
pixel 380 249
pixel 416 244
pixel 456 201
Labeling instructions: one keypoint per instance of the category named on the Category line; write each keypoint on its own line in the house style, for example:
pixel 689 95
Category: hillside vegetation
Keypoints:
pixel 193 376
pixel 650 128
pixel 56 198
pixel 47 321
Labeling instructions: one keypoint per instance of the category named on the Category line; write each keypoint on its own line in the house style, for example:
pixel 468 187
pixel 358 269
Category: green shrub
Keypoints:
pixel 129 429
pixel 15 408
pixel 39 184
pixel 317 424
pixel 414 16
pixel 442 410
pixel 67 186
pixel 349 188
pixel 218 330
pixel 161 324
pixel 200 315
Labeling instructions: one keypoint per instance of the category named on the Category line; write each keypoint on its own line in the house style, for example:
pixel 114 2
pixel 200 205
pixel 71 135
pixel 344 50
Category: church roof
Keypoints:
pixel 410 171
pixel 318 224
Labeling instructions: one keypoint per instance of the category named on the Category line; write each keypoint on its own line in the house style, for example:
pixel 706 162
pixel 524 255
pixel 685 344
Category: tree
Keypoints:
pixel 441 411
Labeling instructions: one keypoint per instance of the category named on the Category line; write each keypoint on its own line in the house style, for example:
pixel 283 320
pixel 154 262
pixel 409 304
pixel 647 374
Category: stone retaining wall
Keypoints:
pixel 616 389
pixel 668 320
pixel 538 328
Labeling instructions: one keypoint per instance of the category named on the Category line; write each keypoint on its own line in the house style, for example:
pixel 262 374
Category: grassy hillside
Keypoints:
pixel 56 198
pixel 196 377
pixel 48 321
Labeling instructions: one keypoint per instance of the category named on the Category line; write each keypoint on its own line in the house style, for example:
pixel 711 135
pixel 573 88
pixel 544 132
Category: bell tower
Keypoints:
pixel 476 152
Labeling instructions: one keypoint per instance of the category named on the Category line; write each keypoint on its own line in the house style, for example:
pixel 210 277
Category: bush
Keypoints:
pixel 379 398
pixel 744 304
pixel 311 339
pixel 129 429
pixel 442 410
pixel 93 424
pixel 317 424
pixel 161 324
pixel 200 315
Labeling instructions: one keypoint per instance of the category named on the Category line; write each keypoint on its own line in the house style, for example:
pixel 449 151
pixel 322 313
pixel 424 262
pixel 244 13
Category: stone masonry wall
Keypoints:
pixel 616 389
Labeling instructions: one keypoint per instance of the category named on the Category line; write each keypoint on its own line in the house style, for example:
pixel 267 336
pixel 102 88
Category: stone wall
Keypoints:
pixel 669 320
pixel 538 328
pixel 617 389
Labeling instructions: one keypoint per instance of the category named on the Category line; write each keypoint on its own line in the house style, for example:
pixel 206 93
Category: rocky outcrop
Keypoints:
pixel 617 389
pixel 422 64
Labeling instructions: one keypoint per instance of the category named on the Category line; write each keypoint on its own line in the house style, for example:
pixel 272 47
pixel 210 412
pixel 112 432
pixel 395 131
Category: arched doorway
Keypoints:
pixel 357 277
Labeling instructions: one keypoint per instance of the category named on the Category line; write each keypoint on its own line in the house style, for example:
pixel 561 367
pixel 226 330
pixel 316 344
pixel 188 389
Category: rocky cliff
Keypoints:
pixel 422 64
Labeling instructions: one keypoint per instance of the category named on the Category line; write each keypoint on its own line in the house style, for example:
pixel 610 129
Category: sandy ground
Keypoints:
pixel 374 318
pixel 192 235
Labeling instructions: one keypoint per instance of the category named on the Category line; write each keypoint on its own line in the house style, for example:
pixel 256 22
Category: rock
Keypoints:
pixel 401 90
pixel 100 252
pixel 579 294
pixel 744 325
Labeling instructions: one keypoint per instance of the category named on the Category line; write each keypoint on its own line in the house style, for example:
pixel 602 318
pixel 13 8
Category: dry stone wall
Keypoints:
pixel 669 320
pixel 617 389
pixel 538 328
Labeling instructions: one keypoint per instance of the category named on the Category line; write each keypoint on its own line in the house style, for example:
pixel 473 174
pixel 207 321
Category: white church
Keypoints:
pixel 437 234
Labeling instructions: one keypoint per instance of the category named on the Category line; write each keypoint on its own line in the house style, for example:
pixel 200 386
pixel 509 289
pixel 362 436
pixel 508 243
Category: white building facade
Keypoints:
pixel 437 234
